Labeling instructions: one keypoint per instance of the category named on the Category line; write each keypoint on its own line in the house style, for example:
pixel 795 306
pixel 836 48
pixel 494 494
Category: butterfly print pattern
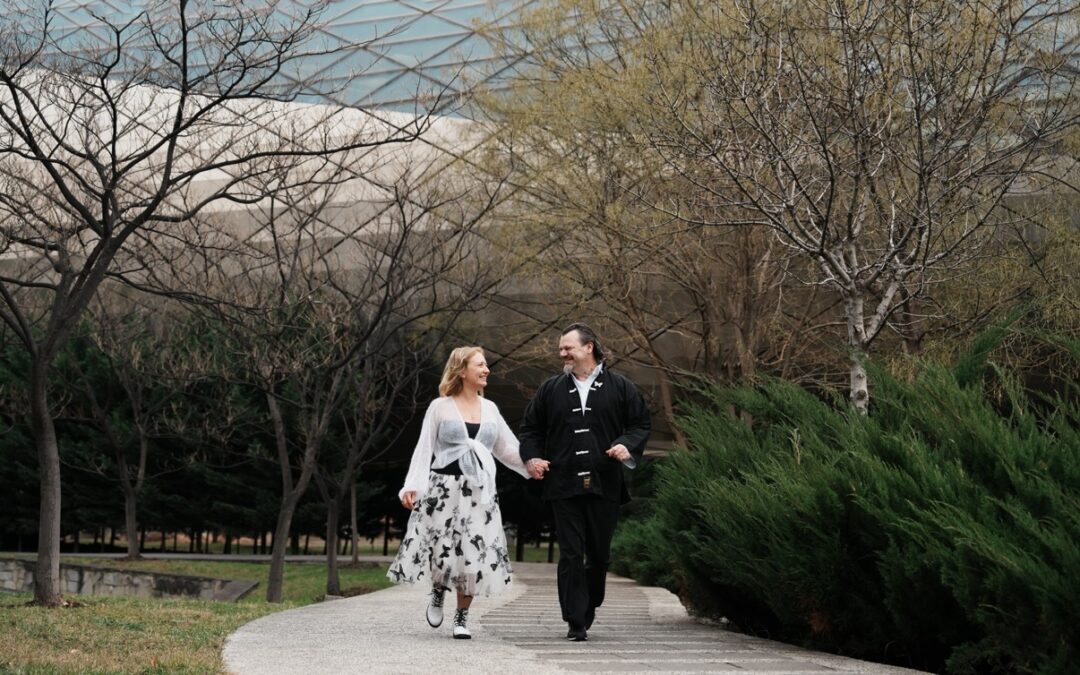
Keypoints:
pixel 454 541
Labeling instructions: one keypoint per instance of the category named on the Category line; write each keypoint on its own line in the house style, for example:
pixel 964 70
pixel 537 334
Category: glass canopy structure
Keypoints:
pixel 392 53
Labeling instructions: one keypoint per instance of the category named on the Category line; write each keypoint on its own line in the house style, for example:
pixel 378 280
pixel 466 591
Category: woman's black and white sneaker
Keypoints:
pixel 434 610
pixel 461 631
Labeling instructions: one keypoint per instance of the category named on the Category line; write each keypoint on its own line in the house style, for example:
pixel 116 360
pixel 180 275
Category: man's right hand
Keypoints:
pixel 408 499
pixel 537 468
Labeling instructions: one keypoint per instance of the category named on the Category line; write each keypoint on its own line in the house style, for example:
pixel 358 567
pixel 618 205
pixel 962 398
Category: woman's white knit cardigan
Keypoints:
pixel 445 438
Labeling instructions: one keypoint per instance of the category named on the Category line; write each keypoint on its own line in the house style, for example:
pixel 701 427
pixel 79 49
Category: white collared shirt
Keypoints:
pixel 584 385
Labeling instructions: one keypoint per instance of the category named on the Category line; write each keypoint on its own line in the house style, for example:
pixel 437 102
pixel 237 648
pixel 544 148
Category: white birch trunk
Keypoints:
pixel 859 392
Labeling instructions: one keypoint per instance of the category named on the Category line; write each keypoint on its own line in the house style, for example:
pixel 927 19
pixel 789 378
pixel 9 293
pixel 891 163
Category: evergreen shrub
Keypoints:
pixel 940 532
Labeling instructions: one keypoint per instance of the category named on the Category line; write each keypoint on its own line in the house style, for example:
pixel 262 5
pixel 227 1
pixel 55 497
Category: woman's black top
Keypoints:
pixel 453 468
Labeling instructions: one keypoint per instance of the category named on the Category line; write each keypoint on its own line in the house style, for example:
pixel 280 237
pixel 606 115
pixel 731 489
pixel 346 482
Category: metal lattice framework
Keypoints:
pixel 390 53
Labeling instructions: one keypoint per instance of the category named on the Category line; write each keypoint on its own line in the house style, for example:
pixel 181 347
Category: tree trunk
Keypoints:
pixel 860 393
pixel 386 534
pixel 352 525
pixel 333 579
pixel 47 569
pixel 274 585
pixel 668 406
pixel 131 527
pixel 856 325
pixel 291 492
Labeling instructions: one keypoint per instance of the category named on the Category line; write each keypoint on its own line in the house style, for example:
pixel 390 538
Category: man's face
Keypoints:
pixel 573 351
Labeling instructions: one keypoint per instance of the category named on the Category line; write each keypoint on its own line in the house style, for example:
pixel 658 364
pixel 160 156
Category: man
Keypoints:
pixel 581 428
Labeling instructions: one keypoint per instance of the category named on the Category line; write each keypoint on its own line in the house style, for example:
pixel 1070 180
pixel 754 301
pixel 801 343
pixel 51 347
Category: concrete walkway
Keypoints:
pixel 638 630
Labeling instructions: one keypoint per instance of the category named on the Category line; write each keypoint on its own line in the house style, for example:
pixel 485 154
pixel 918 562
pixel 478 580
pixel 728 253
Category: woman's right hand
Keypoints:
pixel 537 468
pixel 408 499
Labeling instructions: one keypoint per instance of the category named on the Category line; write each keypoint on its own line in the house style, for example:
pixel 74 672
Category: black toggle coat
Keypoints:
pixel 575 441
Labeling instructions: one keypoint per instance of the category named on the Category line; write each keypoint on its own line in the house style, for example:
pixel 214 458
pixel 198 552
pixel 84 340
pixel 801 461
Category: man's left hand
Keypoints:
pixel 619 452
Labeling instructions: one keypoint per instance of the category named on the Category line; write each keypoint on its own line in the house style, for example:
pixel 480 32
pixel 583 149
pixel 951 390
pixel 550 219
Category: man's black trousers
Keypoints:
pixel 584 526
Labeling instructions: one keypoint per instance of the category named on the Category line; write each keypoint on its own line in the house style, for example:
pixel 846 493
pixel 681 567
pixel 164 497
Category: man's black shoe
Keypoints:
pixel 577 635
pixel 590 616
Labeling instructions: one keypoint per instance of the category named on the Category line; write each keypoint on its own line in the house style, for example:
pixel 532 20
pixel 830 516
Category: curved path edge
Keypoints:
pixel 380 632
pixel 638 630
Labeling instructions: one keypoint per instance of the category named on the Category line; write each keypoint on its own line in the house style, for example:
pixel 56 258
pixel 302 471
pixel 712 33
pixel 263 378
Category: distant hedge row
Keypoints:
pixel 941 532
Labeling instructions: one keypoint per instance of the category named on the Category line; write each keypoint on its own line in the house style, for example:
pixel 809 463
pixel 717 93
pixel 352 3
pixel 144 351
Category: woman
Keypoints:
pixel 455 536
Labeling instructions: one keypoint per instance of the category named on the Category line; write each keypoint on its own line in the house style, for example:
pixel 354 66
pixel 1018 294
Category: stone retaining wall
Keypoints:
pixel 17 575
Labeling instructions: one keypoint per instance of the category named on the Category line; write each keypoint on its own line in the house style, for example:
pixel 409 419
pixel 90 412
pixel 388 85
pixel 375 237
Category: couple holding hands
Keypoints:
pixel 579 431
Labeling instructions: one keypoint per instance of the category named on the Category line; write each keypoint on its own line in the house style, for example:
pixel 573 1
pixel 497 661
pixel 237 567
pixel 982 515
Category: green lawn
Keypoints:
pixel 316 546
pixel 538 554
pixel 136 635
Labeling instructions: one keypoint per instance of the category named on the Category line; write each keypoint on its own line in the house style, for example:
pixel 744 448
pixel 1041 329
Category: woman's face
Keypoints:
pixel 476 372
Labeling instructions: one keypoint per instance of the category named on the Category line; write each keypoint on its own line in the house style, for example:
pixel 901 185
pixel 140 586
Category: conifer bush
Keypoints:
pixel 940 532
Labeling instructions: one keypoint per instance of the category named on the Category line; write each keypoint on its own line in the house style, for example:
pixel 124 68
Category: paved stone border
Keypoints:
pixel 17 575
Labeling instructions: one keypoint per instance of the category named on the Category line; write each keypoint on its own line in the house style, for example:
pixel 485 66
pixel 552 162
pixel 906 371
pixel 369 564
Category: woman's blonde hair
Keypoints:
pixel 455 366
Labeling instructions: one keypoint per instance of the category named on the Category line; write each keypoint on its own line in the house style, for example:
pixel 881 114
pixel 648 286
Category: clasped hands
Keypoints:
pixel 538 467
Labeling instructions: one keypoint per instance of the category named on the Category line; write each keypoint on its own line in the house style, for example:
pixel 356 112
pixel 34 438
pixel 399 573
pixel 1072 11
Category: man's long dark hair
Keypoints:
pixel 587 335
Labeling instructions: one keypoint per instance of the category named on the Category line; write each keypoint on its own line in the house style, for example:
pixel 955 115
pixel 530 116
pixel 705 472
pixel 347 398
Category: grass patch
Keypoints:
pixel 120 635
pixel 537 554
pixel 142 635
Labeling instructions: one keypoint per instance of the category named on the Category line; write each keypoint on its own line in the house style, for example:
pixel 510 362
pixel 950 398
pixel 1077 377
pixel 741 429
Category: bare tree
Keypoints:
pixel 614 233
pixel 106 142
pixel 335 294
pixel 384 393
pixel 878 140
pixel 129 383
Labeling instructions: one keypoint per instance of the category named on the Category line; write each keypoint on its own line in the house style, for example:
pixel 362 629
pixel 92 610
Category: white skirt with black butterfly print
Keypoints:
pixel 454 541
